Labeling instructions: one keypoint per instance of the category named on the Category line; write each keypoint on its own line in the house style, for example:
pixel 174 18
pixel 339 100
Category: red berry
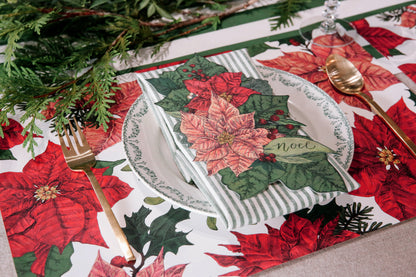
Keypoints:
pixel 274 131
pixel 185 70
pixel 262 121
pixel 290 126
pixel 192 65
pixel 272 155
pixel 274 118
pixel 271 136
pixel 274 160
pixel 279 112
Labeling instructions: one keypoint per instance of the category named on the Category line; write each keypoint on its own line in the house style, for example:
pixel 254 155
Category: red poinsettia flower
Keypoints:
pixel 48 204
pixel 312 68
pixel 408 18
pixel 382 39
pixel 296 237
pixel 383 166
pixel 124 98
pixel 12 135
pixel 227 85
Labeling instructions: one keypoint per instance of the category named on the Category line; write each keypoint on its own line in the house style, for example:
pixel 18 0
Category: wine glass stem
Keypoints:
pixel 328 26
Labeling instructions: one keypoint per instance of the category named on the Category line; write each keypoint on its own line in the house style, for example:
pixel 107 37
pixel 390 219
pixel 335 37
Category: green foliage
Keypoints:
pixel 59 55
pixel 287 9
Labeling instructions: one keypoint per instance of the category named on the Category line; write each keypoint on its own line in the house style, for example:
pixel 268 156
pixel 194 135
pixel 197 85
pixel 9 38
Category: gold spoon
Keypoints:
pixel 347 79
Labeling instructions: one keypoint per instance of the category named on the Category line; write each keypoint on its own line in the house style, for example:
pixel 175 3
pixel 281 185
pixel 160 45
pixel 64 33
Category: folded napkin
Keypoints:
pixel 230 135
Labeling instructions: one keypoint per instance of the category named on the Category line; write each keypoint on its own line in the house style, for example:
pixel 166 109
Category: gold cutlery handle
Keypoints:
pixel 410 145
pixel 121 237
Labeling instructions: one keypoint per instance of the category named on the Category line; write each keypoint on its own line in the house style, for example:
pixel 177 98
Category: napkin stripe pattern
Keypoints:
pixel 277 200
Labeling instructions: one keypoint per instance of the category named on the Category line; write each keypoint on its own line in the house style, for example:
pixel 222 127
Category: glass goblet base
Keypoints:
pixel 341 34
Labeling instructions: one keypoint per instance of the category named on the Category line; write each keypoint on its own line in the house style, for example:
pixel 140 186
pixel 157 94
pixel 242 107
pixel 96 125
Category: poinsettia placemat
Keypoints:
pixel 230 135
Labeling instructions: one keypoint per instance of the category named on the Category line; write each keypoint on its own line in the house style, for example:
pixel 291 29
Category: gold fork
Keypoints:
pixel 81 158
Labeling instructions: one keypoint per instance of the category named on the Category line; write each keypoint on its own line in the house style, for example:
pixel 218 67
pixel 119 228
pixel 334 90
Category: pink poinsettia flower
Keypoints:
pixel 226 85
pixel 224 138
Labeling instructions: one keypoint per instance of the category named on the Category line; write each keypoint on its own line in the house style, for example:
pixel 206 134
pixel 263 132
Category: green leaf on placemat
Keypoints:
pixel 154 200
pixel 212 223
pixel 58 263
pixel 136 229
pixel 258 85
pixel 23 264
pixel 110 164
pixel 6 155
pixel 163 233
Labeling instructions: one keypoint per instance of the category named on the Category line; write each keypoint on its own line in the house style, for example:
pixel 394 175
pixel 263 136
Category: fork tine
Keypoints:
pixel 81 135
pixel 63 145
pixel 75 136
pixel 70 145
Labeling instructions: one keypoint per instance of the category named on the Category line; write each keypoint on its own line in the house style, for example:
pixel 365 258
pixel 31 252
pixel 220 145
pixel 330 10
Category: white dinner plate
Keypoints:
pixel 150 158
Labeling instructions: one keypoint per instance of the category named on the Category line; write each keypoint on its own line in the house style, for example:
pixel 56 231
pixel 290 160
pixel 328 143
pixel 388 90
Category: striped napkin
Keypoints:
pixel 276 201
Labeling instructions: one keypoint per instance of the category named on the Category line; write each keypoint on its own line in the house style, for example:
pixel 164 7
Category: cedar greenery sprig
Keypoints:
pixel 58 55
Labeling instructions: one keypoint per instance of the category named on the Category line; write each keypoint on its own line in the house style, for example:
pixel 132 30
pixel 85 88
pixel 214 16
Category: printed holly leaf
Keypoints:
pixel 293 147
pixel 162 233
pixel 319 175
pixel 58 263
pixel 258 48
pixel 253 181
pixel 136 229
pixel 329 212
pixel 264 105
pixel 23 264
pixel 258 85
pixel 174 101
pixel 201 65
pixel 163 85
pixel 110 164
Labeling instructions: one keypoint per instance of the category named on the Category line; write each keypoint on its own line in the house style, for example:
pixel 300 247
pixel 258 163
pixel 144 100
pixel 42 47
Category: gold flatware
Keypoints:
pixel 81 158
pixel 347 79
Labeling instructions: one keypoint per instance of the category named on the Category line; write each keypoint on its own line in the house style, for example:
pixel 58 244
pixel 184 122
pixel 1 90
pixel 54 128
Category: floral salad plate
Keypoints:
pixel 149 150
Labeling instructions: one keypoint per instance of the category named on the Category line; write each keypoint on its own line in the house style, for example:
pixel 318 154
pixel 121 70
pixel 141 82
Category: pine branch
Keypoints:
pixel 356 219
pixel 287 10
pixel 60 53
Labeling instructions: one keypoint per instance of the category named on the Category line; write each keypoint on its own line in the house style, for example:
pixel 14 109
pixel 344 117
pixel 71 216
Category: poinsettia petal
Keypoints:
pixel 238 164
pixel 157 268
pixel 220 110
pixel 350 51
pixel 205 144
pixel 302 64
pixel 408 18
pixel 243 121
pixel 214 154
pixel 409 69
pixel 175 271
pixel 225 81
pixel 192 126
pixel 104 269
pixel 375 76
pixel 240 95
pixel 12 135
pixel 213 166
pixel 201 88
